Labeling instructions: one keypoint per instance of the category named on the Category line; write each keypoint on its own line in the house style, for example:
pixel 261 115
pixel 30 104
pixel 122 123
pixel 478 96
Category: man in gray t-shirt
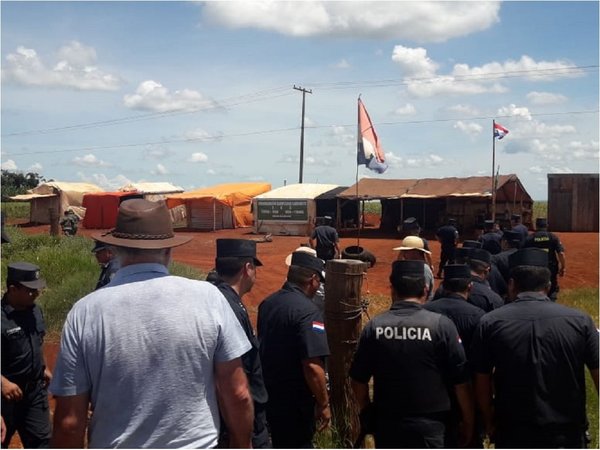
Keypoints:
pixel 153 356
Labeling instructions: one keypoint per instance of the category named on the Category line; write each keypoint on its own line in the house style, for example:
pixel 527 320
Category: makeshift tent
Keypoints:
pixel 58 196
pixel 221 206
pixel 101 208
pixel 433 200
pixel 152 191
pixel 289 210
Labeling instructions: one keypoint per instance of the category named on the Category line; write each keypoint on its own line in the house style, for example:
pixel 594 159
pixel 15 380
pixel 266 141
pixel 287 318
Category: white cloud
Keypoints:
pixel 198 157
pixel 100 179
pixel 414 62
pixel 160 170
pixel 416 21
pixel 75 69
pixel 513 110
pixel 211 172
pixel 414 161
pixel 153 96
pixel 342 64
pixel 545 98
pixel 35 168
pixel 406 110
pixel 202 136
pixel 464 109
pixel 469 128
pixel 9 164
pixel 582 150
pixel 157 152
pixel 89 160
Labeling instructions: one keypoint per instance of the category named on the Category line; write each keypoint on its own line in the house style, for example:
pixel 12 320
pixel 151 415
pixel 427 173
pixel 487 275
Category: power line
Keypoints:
pixel 284 130
pixel 281 91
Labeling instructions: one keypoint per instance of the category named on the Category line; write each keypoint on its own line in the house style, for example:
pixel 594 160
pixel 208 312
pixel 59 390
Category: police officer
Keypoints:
pixel 236 265
pixel 490 240
pixel 24 372
pixel 448 238
pixel 481 294
pixel 324 239
pixel 109 264
pixel 517 226
pixel 510 242
pixel 414 357
pixel 549 242
pixel 537 351
pixel 293 347
pixel 411 227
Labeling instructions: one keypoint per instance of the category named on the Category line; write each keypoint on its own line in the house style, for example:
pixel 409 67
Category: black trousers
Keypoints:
pixel 30 417
pixel 446 257
pixel 292 423
pixel 531 436
pixel 410 432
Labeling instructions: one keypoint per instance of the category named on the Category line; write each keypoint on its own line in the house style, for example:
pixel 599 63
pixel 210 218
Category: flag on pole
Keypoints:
pixel 369 151
pixel 499 131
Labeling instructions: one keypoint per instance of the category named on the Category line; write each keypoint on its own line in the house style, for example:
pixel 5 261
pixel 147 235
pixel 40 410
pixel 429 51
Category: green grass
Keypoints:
pixel 540 209
pixel 15 210
pixel 69 268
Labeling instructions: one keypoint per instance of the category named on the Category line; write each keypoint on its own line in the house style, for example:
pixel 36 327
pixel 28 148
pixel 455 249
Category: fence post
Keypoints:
pixel 53 214
pixel 343 314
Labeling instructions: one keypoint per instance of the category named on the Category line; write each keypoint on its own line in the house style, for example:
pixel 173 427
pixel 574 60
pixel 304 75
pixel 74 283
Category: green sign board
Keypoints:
pixel 292 210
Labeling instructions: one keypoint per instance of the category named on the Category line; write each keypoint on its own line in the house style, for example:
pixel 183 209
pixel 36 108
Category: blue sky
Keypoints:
pixel 201 93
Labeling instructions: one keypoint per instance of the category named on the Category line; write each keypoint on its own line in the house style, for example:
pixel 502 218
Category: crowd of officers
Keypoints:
pixel 448 369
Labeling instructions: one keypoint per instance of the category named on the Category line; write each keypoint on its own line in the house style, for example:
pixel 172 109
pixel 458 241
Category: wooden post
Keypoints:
pixel 53 214
pixel 343 320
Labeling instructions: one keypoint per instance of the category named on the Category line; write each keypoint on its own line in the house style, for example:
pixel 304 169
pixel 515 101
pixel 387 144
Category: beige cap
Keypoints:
pixel 413 243
pixel 310 251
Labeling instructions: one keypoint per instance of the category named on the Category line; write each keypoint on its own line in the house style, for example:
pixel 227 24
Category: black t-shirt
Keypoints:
pixel 326 236
pixel 22 340
pixel 501 262
pixel 490 241
pixel 549 242
pixel 290 330
pixel 463 314
pixel 537 350
pixel 522 230
pixel 447 235
pixel 483 297
pixel 413 355
pixel 250 359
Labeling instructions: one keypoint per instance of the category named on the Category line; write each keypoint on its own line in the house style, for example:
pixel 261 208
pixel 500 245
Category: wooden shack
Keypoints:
pixel 573 202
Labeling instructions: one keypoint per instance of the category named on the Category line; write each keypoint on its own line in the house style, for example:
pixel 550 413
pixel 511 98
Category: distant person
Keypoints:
pixel 293 348
pixel 482 295
pixel 490 240
pixel 510 243
pixel 448 238
pixel 325 240
pixel 69 223
pixel 155 357
pixel 25 374
pixel 411 227
pixel 517 226
pixel 413 248
pixel 108 262
pixel 236 264
pixel 530 357
pixel 549 242
pixel 417 363
pixel 319 298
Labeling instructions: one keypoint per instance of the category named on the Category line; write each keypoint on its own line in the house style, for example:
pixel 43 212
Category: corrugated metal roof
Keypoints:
pixel 426 188
pixel 151 188
pixel 299 190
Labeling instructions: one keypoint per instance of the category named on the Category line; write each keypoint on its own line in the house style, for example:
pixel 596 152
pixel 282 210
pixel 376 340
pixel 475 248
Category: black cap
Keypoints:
pixel 408 268
pixel 452 221
pixel 410 223
pixel 456 271
pixel 488 224
pixel 99 246
pixel 308 261
pixel 237 248
pixel 511 236
pixel 529 256
pixel 472 244
pixel 463 252
pixel 515 217
pixel 481 255
pixel 541 222
pixel 26 274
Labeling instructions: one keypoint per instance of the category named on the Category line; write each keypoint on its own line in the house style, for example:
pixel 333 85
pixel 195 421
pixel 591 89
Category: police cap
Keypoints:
pixel 511 236
pixel 26 274
pixel 515 217
pixel 308 261
pixel 237 248
pixel 529 256
pixel 472 244
pixel 456 271
pixel 463 252
pixel 480 254
pixel 488 224
pixel 541 222
pixel 408 268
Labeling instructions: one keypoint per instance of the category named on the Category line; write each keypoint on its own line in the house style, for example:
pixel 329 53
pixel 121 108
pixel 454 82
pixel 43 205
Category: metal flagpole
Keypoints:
pixel 493 170
pixel 358 136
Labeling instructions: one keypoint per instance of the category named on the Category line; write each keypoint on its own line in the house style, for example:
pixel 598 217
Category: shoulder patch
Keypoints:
pixel 319 327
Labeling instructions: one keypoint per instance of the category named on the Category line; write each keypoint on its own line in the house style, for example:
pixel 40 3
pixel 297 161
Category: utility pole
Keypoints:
pixel 304 91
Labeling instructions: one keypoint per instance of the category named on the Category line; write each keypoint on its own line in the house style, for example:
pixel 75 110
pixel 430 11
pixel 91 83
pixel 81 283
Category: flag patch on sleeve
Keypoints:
pixel 319 327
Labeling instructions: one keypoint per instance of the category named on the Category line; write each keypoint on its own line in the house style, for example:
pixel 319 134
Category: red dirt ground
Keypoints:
pixel 581 252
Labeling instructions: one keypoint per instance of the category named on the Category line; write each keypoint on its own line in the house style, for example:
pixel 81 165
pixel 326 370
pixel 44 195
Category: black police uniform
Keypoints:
pixel 448 234
pixel 550 243
pixel 496 281
pixel 107 273
pixel 290 329
pixel 326 237
pixel 490 241
pixel 522 230
pixel 500 261
pixel 23 363
pixel 252 367
pixel 537 350
pixel 482 296
pixel 413 355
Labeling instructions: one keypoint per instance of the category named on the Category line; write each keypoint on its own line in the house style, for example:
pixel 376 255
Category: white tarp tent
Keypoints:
pixel 153 191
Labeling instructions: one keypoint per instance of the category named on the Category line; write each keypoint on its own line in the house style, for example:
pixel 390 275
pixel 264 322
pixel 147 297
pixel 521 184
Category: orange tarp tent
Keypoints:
pixel 221 206
pixel 101 208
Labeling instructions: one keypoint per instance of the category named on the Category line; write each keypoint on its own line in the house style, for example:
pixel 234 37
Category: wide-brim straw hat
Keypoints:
pixel 143 224
pixel 413 243
pixel 310 251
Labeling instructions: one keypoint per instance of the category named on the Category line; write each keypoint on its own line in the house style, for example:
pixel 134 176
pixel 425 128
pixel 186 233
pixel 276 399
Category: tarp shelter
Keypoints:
pixel 222 206
pixel 152 191
pixel 433 200
pixel 58 196
pixel 101 208
pixel 290 210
